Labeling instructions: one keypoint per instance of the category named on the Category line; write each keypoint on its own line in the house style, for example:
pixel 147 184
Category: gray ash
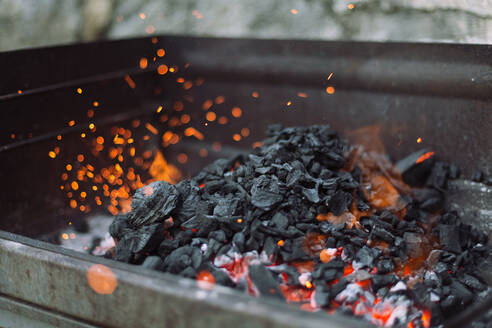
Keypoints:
pixel 309 218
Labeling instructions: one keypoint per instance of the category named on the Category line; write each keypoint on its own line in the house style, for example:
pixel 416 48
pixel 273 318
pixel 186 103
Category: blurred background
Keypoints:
pixel 35 23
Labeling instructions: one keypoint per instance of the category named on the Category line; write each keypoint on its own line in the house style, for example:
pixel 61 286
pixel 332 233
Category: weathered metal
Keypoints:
pixel 440 93
pixel 55 280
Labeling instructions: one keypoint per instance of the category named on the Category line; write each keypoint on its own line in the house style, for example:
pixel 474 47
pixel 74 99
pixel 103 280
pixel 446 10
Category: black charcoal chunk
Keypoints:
pixel 280 220
pixel 449 236
pixel 153 203
pixel 322 297
pixel 463 294
pixel 264 281
pixel 338 287
pixel 477 176
pixel 178 260
pixel 379 280
pixel 145 239
pixel 366 256
pixel 118 226
pixel 385 266
pixel 265 192
pixel 439 175
pixel 340 202
pixel 413 169
pixel 153 262
pixel 472 282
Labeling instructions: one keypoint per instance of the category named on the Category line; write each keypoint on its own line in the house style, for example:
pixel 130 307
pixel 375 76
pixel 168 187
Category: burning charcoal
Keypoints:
pixel 204 224
pixel 365 257
pixel 385 266
pixel 153 262
pixel 442 272
pixel 449 236
pixel 153 203
pixel 264 281
pixel 433 257
pixel 265 192
pixel 380 280
pixel 477 176
pixel 338 287
pixel 416 167
pixel 340 202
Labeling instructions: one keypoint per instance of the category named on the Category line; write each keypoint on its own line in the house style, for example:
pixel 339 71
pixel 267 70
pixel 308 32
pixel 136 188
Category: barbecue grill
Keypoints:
pixel 439 94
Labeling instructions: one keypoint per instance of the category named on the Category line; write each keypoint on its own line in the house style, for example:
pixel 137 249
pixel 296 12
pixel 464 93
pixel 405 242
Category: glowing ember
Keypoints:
pixel 101 279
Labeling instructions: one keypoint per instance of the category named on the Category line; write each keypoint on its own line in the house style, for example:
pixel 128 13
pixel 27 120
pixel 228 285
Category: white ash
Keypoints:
pixel 304 278
pixel 350 294
pixel 400 285
pixel 82 242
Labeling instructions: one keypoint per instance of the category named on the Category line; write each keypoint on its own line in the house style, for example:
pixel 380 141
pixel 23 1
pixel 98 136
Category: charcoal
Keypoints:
pixel 118 226
pixel 383 234
pixel 433 257
pixel 366 256
pixel 430 199
pixel 202 223
pixel 322 297
pixel 153 262
pixel 264 281
pixel 265 192
pixel 442 271
pixel 178 260
pixel 450 238
pixel 238 241
pixel 385 266
pixel 413 171
pixel 463 294
pixel 153 203
pixel 340 202
pixel 145 239
pixel 311 195
pixel 278 206
pixel 280 220
pixel 477 176
pixel 379 280
pixel 438 176
pixel 338 287
pixel 454 171
pixel 218 235
pixel 226 206
pixel 472 283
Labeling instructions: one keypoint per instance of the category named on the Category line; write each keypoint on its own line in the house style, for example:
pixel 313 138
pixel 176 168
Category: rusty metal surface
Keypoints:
pixel 55 279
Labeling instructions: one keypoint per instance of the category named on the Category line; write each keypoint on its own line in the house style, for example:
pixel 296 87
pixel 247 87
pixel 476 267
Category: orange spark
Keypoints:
pixel 101 279
pixel 130 82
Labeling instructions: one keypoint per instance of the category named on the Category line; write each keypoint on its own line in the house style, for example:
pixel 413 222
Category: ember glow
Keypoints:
pixel 101 279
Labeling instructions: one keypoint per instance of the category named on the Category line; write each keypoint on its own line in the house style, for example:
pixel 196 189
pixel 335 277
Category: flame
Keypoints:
pixel 161 170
